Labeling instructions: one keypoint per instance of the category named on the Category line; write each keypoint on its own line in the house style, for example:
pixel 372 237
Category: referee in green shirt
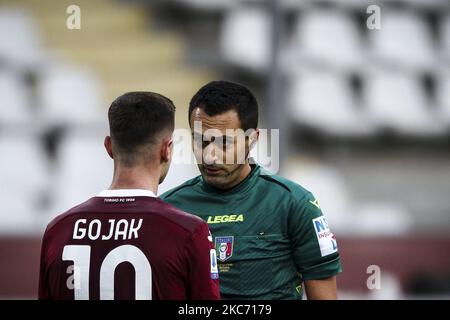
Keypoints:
pixel 271 237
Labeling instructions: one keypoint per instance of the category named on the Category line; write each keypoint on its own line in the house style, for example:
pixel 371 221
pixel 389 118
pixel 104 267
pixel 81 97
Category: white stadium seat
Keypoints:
pixel 19 39
pixel 383 219
pixel 398 102
pixel 324 101
pixel 183 165
pixel 24 179
pixel 245 39
pixel 347 4
pixel 83 169
pixel 345 216
pixel 404 40
pixel 70 96
pixel 329 188
pixel 445 36
pixel 420 4
pixel 14 107
pixel 178 174
pixel 326 38
pixel 208 5
pixel 443 98
pixel 219 5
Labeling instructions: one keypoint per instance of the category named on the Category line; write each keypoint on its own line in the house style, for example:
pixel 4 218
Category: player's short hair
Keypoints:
pixel 218 97
pixel 138 120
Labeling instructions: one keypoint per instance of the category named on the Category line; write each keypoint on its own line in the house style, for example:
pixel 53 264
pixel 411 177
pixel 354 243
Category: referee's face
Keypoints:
pixel 220 148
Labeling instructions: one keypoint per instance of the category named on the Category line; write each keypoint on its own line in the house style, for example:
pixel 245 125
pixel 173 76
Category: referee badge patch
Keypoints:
pixel 326 239
pixel 224 247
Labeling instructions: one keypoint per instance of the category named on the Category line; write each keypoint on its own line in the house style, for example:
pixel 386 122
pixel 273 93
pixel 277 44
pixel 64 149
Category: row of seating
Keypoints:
pixel 61 95
pixel 387 100
pixel 337 39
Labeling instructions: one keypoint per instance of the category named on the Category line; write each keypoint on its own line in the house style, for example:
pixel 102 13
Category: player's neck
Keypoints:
pixel 135 178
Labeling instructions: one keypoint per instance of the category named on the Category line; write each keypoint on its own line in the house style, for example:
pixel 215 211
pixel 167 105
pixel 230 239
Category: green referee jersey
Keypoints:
pixel 269 234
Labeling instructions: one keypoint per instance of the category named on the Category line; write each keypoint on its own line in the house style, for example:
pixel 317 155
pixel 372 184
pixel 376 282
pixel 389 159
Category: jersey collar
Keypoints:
pixel 126 193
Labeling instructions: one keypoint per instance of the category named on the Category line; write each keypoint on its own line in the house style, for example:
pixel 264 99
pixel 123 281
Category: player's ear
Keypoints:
pixel 108 146
pixel 166 150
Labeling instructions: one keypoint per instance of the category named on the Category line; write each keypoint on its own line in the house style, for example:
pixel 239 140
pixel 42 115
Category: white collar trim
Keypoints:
pixel 126 193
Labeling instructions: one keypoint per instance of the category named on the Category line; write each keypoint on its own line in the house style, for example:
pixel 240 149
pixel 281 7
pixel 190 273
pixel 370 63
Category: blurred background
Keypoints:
pixel 362 102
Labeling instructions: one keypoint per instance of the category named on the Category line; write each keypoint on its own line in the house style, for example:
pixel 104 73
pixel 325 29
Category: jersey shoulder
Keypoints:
pixel 152 206
pixel 287 187
pixel 183 219
pixel 59 219
pixel 182 188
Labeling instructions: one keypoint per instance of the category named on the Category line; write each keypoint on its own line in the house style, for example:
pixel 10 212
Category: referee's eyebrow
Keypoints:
pixel 225 137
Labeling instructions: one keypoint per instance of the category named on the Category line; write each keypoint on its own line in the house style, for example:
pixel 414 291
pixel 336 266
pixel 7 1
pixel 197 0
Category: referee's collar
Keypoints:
pixel 126 193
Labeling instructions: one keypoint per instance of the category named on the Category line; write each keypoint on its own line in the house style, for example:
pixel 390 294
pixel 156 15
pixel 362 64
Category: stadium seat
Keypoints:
pixel 19 39
pixel 443 98
pixel 183 166
pixel 24 177
pixel 428 5
pixel 15 99
pixel 347 4
pixel 345 215
pixel 326 38
pixel 178 174
pixel 397 101
pixel 207 5
pixel 404 41
pixel 445 36
pixel 329 188
pixel 245 39
pixel 219 5
pixel 383 219
pixel 70 96
pixel 83 169
pixel 324 101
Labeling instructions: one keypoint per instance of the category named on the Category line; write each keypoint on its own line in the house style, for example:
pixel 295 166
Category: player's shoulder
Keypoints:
pixel 63 217
pixel 164 210
pixel 285 187
pixel 182 219
pixel 183 188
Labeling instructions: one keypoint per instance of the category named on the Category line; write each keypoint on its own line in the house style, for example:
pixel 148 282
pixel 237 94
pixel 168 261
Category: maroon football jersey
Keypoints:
pixel 127 244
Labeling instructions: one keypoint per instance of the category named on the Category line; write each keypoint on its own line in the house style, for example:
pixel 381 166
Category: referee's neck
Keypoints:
pixel 242 174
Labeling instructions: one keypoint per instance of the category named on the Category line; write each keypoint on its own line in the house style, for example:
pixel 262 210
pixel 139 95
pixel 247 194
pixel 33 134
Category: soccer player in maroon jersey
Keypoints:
pixel 126 243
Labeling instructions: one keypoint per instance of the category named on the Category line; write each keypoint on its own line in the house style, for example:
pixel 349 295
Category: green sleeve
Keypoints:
pixel 314 247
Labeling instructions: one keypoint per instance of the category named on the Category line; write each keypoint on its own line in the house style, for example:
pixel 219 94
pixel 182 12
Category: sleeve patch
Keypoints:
pixel 325 237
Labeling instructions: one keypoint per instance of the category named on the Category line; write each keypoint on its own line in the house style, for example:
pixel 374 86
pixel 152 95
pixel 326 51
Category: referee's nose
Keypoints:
pixel 211 155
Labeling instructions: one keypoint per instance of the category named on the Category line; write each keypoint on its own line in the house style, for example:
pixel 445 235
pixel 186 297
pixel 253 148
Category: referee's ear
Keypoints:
pixel 254 137
pixel 108 146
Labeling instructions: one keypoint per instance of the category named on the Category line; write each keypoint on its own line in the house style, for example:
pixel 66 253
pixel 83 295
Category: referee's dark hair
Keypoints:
pixel 218 97
pixel 138 120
